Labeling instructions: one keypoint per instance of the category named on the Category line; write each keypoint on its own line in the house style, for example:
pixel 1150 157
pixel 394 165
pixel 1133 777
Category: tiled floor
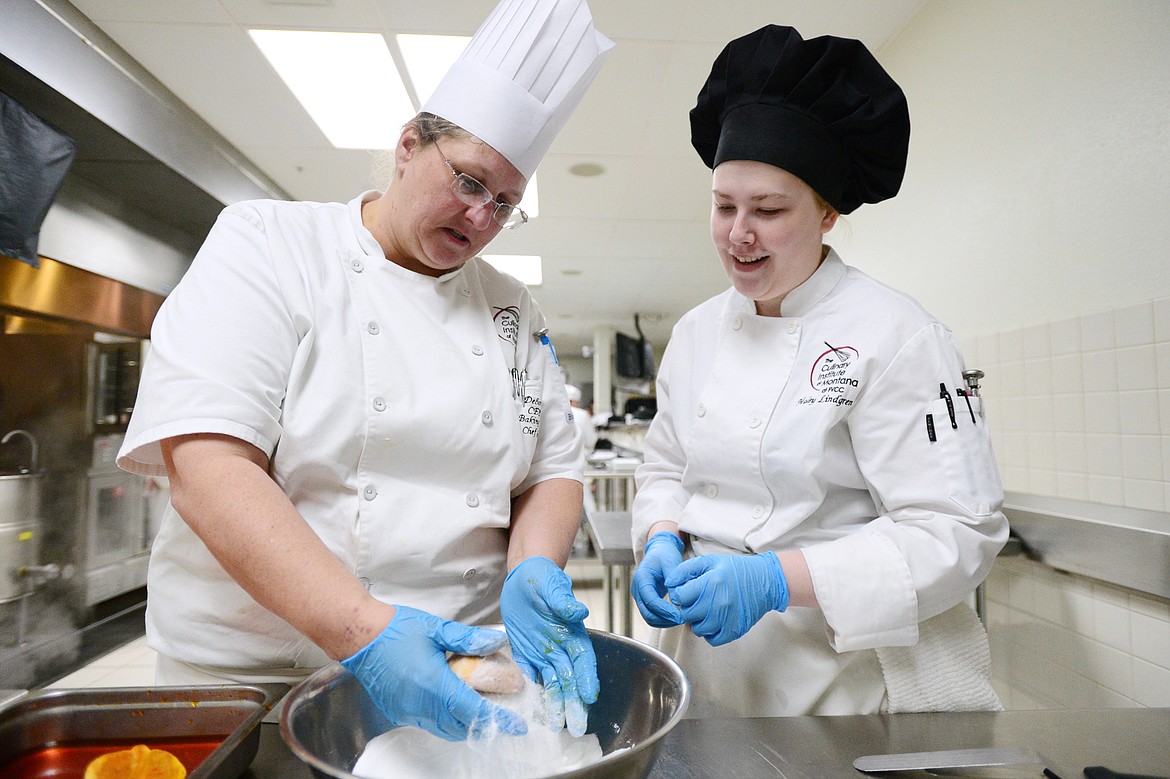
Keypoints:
pixel 132 665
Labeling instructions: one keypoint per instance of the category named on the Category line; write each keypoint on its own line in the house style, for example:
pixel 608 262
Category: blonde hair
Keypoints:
pixel 430 128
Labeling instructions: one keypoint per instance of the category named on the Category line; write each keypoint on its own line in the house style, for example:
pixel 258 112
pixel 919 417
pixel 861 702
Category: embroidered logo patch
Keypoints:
pixel 507 322
pixel 830 377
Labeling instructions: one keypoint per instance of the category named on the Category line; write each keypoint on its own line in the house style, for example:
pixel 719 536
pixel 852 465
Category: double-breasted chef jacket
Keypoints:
pixel 401 414
pixel 837 428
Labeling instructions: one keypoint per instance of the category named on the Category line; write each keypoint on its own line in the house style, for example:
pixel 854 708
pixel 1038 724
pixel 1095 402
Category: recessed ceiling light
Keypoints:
pixel 570 272
pixel 525 267
pixel 319 68
pixel 587 169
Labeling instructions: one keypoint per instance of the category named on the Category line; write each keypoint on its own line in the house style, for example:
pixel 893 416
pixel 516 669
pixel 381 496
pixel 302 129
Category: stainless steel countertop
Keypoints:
pixel 1125 740
pixel 610 531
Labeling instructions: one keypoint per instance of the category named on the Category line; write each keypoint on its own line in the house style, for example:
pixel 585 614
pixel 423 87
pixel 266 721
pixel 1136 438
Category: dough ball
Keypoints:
pixel 494 673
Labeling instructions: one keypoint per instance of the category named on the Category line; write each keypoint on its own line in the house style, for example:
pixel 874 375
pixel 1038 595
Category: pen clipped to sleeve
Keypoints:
pixel 942 393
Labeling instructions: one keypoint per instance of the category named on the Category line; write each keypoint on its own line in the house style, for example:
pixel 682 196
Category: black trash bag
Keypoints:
pixel 34 158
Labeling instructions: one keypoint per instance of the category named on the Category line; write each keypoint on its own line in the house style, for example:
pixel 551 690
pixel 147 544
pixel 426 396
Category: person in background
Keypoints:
pixel 368 444
pixel 583 420
pixel 819 496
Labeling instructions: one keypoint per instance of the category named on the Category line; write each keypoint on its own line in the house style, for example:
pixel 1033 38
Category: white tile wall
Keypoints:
pixel 1064 641
pixel 1080 409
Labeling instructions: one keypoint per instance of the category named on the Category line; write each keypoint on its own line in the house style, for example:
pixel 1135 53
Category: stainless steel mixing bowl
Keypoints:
pixel 328 718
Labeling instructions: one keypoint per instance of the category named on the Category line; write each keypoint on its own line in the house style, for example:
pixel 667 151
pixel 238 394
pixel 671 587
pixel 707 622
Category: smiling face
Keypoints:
pixel 420 223
pixel 767 226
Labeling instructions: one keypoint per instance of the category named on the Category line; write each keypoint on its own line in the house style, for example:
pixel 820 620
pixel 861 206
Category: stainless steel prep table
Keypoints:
pixel 610 531
pixel 1125 740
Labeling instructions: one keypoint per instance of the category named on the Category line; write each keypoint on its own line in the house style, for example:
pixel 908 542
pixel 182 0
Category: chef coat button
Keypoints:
pixel 712 491
pixel 486 418
pixel 758 512
pixel 736 323
pixel 472 499
pixel 793 327
pixel 469 574
pixel 754 422
pixel 477 350
pixel 379 404
pixel 466 292
pixel 701 410
pixel 365 583
pixel 356 265
pixel 373 329
pixel 369 492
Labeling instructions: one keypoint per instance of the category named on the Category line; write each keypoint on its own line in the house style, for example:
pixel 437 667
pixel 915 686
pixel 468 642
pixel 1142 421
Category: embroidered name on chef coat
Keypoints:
pixel 830 377
pixel 525 389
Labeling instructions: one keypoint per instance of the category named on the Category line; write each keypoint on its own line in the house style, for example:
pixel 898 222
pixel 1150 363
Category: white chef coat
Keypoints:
pixel 809 431
pixel 583 420
pixel 401 414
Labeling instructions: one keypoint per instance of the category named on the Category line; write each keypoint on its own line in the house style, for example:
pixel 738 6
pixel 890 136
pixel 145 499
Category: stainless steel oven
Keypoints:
pixel 117 543
pixel 115 366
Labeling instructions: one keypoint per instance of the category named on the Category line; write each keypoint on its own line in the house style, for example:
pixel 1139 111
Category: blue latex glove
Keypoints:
pixel 546 626
pixel 723 595
pixel 405 671
pixel 663 554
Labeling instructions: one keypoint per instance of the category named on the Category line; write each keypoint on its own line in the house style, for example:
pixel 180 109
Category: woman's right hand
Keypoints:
pixel 405 671
pixel 663 554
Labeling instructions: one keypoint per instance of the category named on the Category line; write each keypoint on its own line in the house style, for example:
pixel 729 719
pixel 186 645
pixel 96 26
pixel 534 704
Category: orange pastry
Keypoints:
pixel 138 762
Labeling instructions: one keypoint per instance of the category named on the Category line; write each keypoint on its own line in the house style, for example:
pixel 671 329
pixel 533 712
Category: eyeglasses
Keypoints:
pixel 475 194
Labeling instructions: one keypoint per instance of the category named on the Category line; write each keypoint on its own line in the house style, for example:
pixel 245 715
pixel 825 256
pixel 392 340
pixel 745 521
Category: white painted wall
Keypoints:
pixel 1039 172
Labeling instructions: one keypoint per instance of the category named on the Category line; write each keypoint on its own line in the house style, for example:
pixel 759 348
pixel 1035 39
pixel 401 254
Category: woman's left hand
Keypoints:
pixel 722 596
pixel 546 627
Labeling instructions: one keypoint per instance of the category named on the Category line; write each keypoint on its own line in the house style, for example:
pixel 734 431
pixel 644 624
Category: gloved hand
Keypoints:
pixel 405 671
pixel 663 554
pixel 723 595
pixel 546 626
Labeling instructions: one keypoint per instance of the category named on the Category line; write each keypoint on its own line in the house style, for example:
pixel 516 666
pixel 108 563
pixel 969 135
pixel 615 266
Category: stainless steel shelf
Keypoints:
pixel 1124 546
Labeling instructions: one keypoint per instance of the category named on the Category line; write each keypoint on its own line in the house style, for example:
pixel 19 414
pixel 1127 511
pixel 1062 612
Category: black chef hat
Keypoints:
pixel 822 109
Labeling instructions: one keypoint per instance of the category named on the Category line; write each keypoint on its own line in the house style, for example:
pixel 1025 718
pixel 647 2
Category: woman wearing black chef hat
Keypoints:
pixel 819 497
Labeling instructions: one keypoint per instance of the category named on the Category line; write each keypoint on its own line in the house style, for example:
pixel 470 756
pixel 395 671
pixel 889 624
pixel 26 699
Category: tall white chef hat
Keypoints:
pixel 521 76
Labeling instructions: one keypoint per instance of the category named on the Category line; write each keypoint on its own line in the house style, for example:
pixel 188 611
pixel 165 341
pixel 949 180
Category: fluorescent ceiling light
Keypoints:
pixel 523 267
pixel 330 73
pixel 428 58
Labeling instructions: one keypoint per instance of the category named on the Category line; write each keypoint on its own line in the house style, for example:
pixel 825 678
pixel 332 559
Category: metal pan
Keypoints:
pixel 214 730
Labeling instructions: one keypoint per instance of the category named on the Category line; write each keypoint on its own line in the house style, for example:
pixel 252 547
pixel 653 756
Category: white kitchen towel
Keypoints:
pixel 949 669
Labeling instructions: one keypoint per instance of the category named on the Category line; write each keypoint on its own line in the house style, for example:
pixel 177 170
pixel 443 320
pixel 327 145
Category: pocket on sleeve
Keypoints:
pixel 968 460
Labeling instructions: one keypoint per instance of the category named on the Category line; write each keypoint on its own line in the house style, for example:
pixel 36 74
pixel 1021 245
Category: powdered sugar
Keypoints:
pixel 410 753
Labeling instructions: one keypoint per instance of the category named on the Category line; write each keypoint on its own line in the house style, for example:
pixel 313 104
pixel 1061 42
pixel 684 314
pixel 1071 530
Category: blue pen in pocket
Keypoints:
pixel 542 336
